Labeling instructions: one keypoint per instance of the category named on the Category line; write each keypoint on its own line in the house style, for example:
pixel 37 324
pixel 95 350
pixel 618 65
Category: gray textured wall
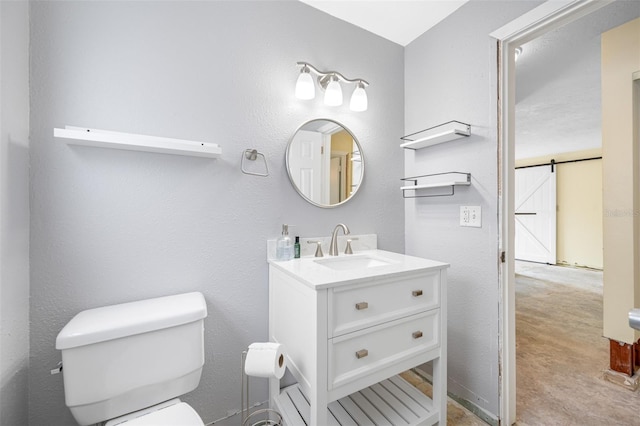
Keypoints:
pixel 113 226
pixel 14 211
pixel 450 74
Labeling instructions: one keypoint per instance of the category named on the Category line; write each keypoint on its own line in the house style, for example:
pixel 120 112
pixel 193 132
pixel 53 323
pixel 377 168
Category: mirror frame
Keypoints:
pixel 357 142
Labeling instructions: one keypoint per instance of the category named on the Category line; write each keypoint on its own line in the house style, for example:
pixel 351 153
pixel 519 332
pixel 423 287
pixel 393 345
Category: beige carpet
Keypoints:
pixel 561 353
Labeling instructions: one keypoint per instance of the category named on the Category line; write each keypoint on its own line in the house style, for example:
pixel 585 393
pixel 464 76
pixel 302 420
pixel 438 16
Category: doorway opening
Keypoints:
pixel 547 17
pixel 560 351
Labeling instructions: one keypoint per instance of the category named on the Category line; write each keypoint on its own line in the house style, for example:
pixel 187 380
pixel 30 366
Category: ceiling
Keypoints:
pixel 558 99
pixel 558 75
pixel 399 21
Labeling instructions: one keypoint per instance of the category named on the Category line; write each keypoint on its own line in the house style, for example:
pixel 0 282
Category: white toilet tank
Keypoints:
pixel 123 358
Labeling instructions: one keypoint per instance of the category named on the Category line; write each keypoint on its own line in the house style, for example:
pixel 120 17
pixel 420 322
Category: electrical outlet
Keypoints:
pixel 471 216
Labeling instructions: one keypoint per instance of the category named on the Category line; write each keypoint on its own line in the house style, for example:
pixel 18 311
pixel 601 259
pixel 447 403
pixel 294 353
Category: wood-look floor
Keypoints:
pixel 456 413
pixel 560 351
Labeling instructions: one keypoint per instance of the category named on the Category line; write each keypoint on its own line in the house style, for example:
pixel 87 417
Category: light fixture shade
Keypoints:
pixel 359 99
pixel 333 93
pixel 305 88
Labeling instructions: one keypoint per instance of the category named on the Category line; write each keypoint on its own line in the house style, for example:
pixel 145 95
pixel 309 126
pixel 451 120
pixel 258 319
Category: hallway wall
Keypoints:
pixel 621 179
pixel 580 214
pixel 451 74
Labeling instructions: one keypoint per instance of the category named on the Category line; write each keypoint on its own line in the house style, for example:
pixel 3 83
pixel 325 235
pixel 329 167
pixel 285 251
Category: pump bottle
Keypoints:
pixel 284 245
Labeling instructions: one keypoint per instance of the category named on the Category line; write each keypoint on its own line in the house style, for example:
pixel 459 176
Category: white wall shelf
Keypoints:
pixel 134 142
pixel 452 179
pixel 445 132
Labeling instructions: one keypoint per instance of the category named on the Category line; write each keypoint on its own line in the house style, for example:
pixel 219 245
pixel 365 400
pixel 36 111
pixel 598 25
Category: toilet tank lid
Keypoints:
pixel 127 319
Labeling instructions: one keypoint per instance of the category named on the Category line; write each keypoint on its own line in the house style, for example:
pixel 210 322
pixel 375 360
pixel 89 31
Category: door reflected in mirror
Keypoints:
pixel 325 162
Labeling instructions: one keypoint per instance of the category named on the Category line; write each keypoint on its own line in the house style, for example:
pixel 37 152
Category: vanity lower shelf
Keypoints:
pixel 393 401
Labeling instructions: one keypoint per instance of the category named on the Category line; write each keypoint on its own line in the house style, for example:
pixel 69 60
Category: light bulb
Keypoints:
pixel 305 88
pixel 359 98
pixel 333 93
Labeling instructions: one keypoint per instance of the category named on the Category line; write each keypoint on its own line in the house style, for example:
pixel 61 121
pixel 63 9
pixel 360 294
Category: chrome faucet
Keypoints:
pixel 333 246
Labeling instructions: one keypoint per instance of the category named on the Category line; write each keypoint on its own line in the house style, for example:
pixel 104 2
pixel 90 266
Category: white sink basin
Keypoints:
pixel 332 271
pixel 353 262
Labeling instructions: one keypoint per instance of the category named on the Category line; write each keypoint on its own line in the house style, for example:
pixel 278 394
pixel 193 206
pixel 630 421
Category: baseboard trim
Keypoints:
pixel 622 379
pixel 235 418
pixel 476 410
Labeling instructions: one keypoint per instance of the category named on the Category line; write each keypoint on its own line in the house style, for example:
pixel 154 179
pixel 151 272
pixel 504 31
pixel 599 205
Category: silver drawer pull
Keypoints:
pixel 417 334
pixel 416 293
pixel 362 353
pixel 362 305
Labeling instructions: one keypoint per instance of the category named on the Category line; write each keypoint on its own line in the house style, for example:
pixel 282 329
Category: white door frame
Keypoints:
pixel 544 18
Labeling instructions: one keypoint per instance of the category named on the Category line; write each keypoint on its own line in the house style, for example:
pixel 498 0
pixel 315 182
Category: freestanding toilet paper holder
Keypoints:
pixel 262 417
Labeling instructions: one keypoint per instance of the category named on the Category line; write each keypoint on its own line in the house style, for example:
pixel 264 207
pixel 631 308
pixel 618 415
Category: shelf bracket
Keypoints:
pixel 451 193
pixel 449 183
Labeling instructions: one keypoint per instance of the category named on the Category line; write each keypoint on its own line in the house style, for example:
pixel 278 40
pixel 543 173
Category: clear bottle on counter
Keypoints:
pixel 284 245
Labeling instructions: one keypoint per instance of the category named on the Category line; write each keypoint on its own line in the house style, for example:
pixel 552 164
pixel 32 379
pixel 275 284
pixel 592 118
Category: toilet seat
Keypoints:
pixel 170 413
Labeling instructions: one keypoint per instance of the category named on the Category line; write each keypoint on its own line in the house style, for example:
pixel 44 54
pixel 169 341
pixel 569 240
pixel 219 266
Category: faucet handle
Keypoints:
pixel 348 249
pixel 318 249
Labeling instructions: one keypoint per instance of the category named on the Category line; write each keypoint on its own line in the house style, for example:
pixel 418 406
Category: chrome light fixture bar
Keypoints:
pixel 329 81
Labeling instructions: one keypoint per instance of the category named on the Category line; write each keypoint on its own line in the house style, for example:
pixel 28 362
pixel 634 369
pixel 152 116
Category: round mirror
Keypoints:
pixel 325 162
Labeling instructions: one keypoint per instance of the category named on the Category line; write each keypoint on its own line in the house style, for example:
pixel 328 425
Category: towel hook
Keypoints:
pixel 252 155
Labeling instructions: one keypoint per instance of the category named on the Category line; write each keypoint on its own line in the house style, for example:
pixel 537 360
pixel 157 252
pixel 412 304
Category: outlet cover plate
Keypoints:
pixel 471 216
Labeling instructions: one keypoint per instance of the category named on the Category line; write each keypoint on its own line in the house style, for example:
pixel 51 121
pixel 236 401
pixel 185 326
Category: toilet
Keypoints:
pixel 130 362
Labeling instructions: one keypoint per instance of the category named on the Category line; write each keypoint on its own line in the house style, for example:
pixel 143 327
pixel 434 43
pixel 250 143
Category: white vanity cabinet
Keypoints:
pixel 348 333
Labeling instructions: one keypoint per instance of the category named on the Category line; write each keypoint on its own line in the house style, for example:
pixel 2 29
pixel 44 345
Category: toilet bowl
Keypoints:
pixel 170 413
pixel 130 362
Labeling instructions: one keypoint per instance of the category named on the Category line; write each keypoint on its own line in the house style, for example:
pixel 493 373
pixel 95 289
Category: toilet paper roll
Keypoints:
pixel 265 360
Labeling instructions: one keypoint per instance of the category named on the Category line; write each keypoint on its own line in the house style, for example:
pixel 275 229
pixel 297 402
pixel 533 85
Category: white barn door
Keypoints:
pixel 535 214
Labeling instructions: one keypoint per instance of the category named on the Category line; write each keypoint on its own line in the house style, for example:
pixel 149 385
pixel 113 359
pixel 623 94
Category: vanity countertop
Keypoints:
pixel 320 273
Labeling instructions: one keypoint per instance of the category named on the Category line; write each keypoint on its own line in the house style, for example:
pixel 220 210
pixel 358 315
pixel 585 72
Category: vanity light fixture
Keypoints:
pixel 333 92
pixel 305 89
pixel 329 81
pixel 359 98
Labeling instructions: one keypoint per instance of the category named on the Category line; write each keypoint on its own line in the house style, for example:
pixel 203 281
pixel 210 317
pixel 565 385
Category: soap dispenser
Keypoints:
pixel 284 245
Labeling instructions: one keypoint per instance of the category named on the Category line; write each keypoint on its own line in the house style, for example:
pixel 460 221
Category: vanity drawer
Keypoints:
pixel 357 307
pixel 359 354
